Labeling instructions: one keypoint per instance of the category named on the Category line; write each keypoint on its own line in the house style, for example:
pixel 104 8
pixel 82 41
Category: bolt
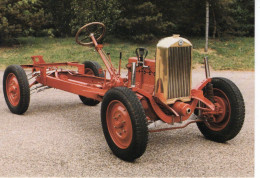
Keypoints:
pixel 123 122
pixel 115 118
pixel 124 131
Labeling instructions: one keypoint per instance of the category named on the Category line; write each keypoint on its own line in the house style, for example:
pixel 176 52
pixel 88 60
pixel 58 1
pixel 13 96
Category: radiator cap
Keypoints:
pixel 173 41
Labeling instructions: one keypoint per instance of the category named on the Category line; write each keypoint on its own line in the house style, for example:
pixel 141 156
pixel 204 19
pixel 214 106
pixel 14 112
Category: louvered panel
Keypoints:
pixel 179 67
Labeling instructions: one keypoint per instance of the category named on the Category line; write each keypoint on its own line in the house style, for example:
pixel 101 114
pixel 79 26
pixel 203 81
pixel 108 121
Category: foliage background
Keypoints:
pixel 128 19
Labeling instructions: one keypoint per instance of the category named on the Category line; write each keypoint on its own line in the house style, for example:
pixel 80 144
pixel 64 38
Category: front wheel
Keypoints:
pixel 228 122
pixel 124 123
pixel 16 89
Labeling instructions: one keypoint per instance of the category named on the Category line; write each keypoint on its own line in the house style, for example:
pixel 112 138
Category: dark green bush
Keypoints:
pixel 20 18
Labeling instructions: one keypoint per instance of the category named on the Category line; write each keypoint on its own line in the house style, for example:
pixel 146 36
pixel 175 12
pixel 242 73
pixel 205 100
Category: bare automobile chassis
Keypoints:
pixel 155 92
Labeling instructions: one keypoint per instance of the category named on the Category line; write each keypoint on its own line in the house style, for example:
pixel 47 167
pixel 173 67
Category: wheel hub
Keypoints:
pixel 13 89
pixel 219 119
pixel 221 108
pixel 119 124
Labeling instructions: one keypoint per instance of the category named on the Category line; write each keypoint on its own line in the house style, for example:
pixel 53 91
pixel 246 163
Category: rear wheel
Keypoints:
pixel 124 123
pixel 228 122
pixel 16 89
pixel 91 68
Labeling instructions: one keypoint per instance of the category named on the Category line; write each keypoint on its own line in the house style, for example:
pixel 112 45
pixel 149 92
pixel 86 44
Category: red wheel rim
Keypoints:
pixel 220 120
pixel 89 71
pixel 119 124
pixel 12 89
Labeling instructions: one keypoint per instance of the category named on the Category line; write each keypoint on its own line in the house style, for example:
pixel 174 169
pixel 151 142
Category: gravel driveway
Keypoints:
pixel 59 136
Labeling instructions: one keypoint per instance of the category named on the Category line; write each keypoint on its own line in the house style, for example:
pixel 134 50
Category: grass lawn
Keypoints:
pixel 232 54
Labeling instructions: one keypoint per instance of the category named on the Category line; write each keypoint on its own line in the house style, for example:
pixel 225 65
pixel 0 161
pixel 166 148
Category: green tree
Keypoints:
pixel 20 18
pixel 61 14
pixel 187 15
pixel 227 17
pixel 244 17
pixel 232 17
pixel 132 19
pixel 141 21
pixel 69 15
pixel 105 11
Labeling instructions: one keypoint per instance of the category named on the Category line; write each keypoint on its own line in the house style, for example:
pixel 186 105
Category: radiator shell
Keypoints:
pixel 173 69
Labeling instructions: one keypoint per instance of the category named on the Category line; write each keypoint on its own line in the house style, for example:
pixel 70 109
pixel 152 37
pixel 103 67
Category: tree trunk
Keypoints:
pixel 207 26
pixel 215 24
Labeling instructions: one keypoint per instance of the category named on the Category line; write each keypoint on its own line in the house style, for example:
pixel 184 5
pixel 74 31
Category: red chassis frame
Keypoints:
pixel 95 87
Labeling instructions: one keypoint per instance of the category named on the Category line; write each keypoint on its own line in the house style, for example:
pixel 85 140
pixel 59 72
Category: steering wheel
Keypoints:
pixel 96 28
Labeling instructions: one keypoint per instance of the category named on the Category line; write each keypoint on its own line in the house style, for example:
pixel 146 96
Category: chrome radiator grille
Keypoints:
pixel 179 83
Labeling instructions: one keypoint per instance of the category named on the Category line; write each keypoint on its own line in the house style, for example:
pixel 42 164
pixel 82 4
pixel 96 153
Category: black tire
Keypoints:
pixel 236 117
pixel 95 67
pixel 24 97
pixel 137 115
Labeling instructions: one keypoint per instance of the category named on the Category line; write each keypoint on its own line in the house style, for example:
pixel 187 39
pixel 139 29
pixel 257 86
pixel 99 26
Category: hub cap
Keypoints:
pixel 13 89
pixel 119 124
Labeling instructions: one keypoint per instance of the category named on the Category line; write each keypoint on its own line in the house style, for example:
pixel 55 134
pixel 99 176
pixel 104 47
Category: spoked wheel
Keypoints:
pixel 228 121
pixel 16 89
pixel 124 123
pixel 91 68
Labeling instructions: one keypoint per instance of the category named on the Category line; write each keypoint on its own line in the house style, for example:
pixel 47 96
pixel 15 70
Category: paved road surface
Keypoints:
pixel 59 136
